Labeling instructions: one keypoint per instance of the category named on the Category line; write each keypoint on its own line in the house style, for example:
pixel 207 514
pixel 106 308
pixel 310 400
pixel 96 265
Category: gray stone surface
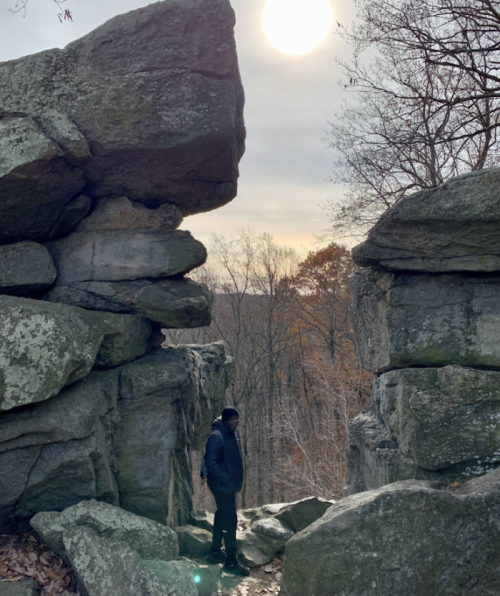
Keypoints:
pixel 256 549
pixel 148 538
pixel 22 588
pixel 178 303
pixel 109 567
pixel 73 212
pixel 125 338
pixel 26 268
pixel 124 255
pixel 201 518
pixel 406 319
pixel 450 228
pixel 443 416
pixel 94 440
pixel 57 452
pixel 36 182
pixel 120 213
pixel 43 347
pixel 300 514
pixel 169 128
pixel 167 402
pixel 65 134
pixel 193 542
pixel 374 458
pixel 405 538
pixel 176 576
pixel 273 528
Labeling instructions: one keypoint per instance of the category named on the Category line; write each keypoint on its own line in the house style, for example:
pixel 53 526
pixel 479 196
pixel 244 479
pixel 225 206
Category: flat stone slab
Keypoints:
pixel 405 319
pixel 409 537
pixel 177 303
pixel 26 268
pixel 454 227
pixel 124 255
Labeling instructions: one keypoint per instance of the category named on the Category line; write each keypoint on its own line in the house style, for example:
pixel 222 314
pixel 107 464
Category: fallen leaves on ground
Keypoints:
pixel 24 557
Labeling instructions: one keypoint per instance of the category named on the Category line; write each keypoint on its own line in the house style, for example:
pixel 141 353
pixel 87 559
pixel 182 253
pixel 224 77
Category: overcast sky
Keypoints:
pixel 289 100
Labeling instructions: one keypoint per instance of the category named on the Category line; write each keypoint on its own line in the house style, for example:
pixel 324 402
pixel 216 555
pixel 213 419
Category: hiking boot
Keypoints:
pixel 236 569
pixel 216 556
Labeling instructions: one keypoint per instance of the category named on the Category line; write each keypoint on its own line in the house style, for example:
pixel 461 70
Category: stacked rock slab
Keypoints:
pixel 104 147
pixel 426 313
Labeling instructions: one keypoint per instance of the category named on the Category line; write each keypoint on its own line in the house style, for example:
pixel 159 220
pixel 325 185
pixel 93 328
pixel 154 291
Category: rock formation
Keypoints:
pixel 426 314
pixel 423 515
pixel 104 147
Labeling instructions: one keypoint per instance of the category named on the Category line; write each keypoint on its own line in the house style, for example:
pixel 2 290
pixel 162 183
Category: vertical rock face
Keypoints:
pixel 424 507
pixel 104 147
pixel 443 312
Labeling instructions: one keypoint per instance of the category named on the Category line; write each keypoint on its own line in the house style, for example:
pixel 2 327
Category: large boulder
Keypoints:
pixel 406 538
pixel 57 452
pixel 26 268
pixel 95 438
pixel 45 347
pixel 107 567
pixel 148 538
pixel 168 128
pixel 454 227
pixel 201 518
pixel 167 402
pixel 125 255
pixel 406 319
pixel 177 303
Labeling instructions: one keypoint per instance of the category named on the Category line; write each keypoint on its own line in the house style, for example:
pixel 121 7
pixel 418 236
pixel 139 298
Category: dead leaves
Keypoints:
pixel 24 557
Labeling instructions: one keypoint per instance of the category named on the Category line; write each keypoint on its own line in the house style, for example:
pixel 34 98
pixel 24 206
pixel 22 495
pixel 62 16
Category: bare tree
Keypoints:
pixel 426 106
pixel 63 14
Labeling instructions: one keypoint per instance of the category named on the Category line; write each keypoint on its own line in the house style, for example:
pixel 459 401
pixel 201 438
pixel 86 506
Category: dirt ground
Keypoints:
pixel 24 557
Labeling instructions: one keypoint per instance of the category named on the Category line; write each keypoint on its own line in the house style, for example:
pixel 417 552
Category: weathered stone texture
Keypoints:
pixel 148 538
pixel 454 227
pixel 94 440
pixel 26 268
pixel 407 319
pixel 177 303
pixel 119 213
pixel 124 255
pixel 168 128
pixel 406 538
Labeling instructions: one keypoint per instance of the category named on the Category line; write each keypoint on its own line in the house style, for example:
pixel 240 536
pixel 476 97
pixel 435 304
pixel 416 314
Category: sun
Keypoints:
pixel 297 26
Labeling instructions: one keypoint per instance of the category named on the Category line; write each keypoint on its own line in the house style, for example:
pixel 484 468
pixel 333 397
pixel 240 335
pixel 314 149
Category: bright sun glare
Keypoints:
pixel 297 26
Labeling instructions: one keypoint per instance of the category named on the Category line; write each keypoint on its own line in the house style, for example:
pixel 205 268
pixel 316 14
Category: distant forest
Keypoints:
pixel 298 380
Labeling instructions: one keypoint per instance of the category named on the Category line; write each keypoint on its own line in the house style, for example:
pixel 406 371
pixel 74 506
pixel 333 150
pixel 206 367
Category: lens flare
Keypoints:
pixel 197 579
pixel 297 26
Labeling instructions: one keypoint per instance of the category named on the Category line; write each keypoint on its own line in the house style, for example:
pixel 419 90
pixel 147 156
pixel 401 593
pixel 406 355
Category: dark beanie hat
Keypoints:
pixel 228 412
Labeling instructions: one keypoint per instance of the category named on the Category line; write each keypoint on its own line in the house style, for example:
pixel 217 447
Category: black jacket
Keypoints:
pixel 223 459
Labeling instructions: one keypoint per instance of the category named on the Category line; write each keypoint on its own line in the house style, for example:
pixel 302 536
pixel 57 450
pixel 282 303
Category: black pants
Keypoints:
pixel 225 523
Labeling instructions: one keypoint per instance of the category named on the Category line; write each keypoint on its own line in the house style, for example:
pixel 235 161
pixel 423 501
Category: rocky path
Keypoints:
pixel 24 558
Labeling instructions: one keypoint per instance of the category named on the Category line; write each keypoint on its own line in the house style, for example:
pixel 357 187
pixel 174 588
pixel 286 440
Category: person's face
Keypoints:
pixel 233 423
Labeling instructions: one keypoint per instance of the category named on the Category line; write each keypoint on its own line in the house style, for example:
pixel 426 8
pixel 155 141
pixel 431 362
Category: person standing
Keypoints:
pixel 225 479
